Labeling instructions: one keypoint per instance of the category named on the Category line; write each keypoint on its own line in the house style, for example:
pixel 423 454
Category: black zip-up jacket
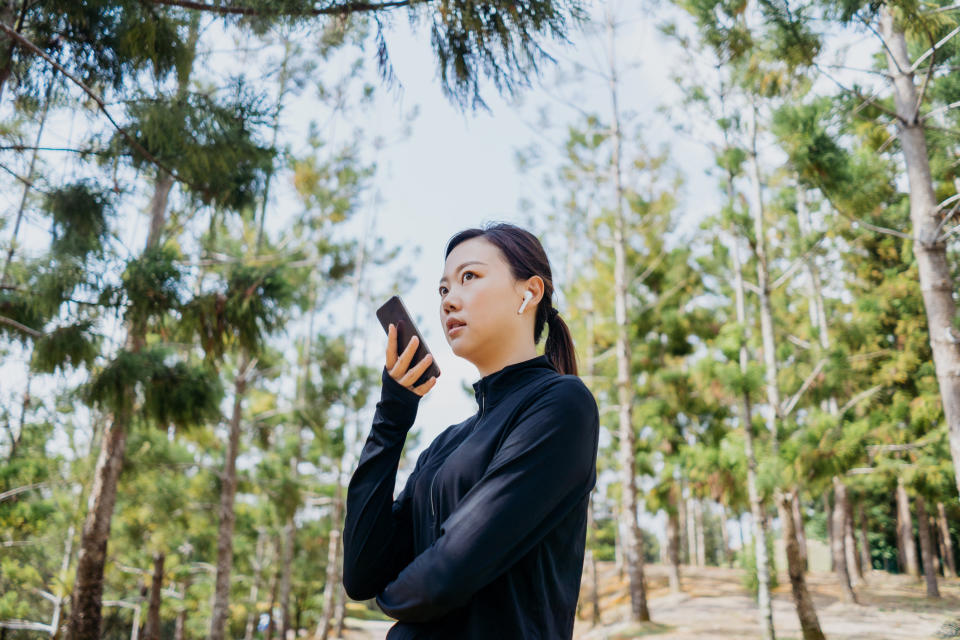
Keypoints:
pixel 486 540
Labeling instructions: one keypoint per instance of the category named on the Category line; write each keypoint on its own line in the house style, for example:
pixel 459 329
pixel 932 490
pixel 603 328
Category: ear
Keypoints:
pixel 533 284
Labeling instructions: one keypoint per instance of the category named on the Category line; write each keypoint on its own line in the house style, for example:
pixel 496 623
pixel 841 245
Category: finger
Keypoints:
pixel 391 346
pixel 426 386
pixel 404 361
pixel 414 373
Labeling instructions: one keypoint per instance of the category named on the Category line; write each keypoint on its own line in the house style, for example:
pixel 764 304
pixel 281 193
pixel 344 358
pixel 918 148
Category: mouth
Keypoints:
pixel 454 327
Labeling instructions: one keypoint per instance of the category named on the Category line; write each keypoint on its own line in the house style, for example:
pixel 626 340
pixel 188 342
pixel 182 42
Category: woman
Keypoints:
pixel 486 540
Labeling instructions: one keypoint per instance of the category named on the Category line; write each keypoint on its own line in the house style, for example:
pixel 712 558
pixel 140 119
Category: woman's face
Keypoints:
pixel 478 290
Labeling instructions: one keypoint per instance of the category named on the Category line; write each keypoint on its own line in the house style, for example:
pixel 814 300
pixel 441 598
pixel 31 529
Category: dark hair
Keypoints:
pixel 526 257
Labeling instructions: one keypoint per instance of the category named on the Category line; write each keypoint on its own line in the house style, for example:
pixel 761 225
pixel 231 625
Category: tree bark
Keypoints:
pixel 274 585
pixel 289 534
pixel 936 282
pixel 725 537
pixel 333 576
pixel 828 510
pixel 763 285
pixel 799 526
pixel 152 629
pixel 866 559
pixel 839 526
pixel 633 540
pixel 255 587
pixel 673 551
pixel 85 610
pixel 809 623
pixel 684 533
pixel 227 519
pixel 926 547
pixel 905 531
pixel 701 537
pixel 180 627
pixel 949 560
pixel 8 14
pixel 765 606
pixel 850 545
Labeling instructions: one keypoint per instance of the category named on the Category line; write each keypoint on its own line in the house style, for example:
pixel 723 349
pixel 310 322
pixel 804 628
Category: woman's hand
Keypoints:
pixel 397 367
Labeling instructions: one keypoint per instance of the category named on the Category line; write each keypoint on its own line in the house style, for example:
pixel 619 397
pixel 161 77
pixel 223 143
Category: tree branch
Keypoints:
pixel 29 46
pixel 20 327
pixel 340 9
pixel 18 490
pixel 791 405
pixel 929 52
pixel 796 263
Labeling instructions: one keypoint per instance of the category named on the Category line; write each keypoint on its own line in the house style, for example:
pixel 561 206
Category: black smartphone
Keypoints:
pixel 394 312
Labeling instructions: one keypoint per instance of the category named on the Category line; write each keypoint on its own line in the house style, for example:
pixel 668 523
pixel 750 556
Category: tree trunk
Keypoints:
pixel 228 492
pixel 763 286
pixel 725 537
pixel 866 560
pixel 673 551
pixel 828 510
pixel 691 531
pixel 289 534
pixel 799 526
pixel 274 585
pixel 926 547
pixel 684 534
pixel 905 530
pixel 85 610
pixel 341 606
pixel 901 550
pixel 152 629
pixel 333 577
pixel 765 608
pixel 850 545
pixel 255 587
pixel 839 526
pixel 701 538
pixel 633 541
pixel 180 628
pixel 8 15
pixel 949 560
pixel 809 624
pixel 929 249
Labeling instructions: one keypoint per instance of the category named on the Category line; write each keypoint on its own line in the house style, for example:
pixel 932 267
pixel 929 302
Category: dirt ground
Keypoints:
pixel 715 605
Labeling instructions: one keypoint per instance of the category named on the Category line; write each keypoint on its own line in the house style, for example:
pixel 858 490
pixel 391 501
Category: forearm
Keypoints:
pixel 377 533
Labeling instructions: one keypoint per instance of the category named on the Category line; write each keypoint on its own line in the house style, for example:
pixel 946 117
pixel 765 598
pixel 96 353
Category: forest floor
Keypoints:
pixel 715 605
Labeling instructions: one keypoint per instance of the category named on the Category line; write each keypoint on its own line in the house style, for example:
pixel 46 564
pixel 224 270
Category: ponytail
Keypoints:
pixel 559 348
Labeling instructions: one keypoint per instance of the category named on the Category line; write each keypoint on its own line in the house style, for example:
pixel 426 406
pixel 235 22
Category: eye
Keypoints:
pixel 466 272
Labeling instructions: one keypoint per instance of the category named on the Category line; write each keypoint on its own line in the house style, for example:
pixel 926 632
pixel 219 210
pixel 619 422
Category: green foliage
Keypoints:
pixel 220 160
pixel 498 39
pixel 175 393
pixel 182 395
pixel 72 345
pixel 151 284
pixel 251 305
pixel 79 213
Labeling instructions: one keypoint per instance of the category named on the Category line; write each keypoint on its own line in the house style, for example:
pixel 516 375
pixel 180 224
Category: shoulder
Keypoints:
pixel 564 391
pixel 562 400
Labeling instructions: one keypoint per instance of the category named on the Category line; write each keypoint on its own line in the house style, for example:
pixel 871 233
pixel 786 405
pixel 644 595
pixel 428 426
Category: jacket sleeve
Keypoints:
pixel 378 530
pixel 543 467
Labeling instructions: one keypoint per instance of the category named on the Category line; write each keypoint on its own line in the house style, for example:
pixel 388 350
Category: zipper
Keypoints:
pixel 433 511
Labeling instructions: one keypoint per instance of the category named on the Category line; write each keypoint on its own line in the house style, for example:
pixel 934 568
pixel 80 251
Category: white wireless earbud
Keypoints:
pixel 526 298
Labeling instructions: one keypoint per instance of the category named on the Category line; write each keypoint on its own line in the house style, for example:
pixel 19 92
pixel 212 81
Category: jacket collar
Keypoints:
pixel 492 387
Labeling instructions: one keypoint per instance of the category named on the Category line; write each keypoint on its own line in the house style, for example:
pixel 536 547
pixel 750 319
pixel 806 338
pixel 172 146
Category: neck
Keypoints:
pixel 504 359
